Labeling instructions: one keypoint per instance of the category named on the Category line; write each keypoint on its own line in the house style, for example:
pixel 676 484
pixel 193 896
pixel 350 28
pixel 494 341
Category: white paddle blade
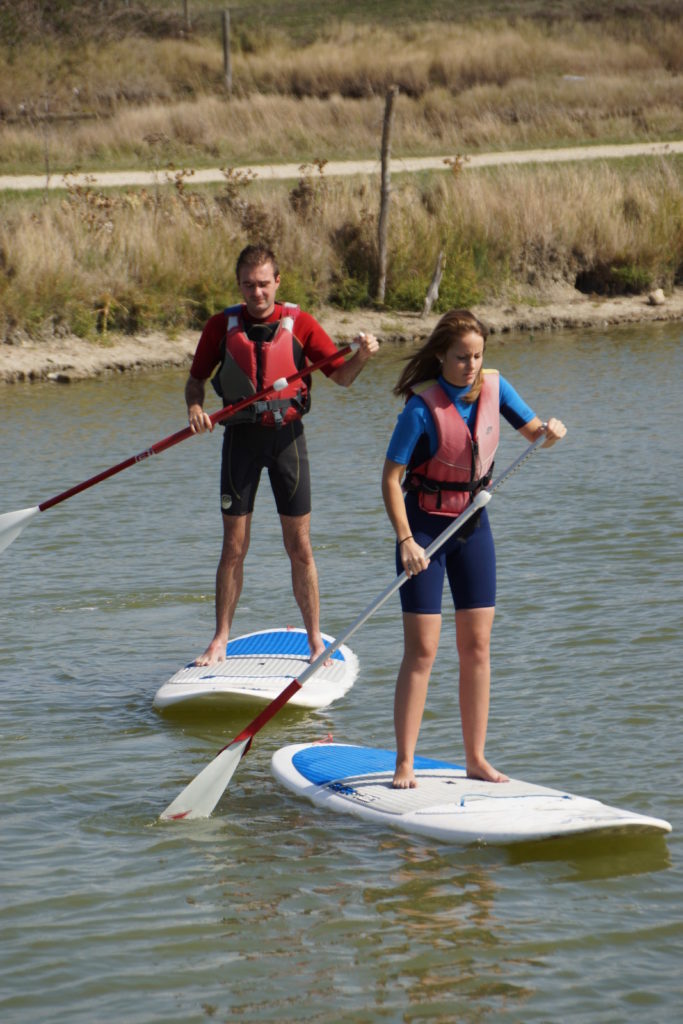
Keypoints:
pixel 199 798
pixel 12 523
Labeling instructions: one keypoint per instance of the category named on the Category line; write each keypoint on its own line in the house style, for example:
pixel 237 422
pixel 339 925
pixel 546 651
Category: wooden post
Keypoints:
pixel 383 226
pixel 227 68
pixel 433 290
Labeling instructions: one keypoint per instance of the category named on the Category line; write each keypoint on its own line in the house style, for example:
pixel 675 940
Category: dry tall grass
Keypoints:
pixel 135 261
pixel 467 87
pixel 360 60
pixel 268 129
pixel 96 262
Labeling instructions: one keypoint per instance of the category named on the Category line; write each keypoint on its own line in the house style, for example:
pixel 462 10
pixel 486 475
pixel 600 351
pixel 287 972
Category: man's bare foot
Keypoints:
pixel 214 653
pixel 485 772
pixel 404 776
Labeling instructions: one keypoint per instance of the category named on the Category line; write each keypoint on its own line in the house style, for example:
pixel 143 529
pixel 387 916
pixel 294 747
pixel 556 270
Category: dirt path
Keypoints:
pixel 118 179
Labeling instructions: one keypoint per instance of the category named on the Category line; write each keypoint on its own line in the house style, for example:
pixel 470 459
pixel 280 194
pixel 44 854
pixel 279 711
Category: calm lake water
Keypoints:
pixel 273 910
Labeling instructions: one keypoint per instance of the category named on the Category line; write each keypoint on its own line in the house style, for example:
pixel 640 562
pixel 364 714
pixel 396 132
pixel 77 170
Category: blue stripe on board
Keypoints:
pixel 273 642
pixel 321 763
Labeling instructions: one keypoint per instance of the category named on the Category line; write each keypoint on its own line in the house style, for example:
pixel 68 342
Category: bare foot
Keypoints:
pixel 485 772
pixel 214 653
pixel 404 776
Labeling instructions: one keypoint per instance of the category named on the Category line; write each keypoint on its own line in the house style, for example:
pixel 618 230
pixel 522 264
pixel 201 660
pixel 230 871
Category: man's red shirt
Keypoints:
pixel 315 342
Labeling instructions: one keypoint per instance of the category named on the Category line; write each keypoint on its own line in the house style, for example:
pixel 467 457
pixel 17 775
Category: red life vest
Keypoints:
pixel 250 364
pixel 462 464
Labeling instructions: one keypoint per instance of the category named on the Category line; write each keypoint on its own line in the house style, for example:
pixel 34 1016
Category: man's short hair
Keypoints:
pixel 253 256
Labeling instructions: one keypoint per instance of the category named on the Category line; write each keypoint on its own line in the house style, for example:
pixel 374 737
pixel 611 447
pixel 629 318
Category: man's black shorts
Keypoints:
pixel 248 448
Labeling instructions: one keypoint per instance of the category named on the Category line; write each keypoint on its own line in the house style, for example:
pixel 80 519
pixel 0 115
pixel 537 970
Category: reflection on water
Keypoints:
pixel 274 910
pixel 589 858
pixel 439 926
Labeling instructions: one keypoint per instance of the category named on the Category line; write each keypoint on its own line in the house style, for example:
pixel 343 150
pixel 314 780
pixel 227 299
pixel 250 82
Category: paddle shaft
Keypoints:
pixel 181 435
pixel 479 501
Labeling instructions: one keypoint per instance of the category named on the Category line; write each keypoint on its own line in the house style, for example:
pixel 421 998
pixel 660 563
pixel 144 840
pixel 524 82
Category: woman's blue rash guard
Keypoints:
pixel 469 560
pixel 415 418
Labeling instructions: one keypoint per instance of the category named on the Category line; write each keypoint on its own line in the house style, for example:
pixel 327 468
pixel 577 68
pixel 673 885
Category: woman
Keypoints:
pixel 440 454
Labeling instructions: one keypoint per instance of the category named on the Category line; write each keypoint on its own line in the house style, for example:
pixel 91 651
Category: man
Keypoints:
pixel 255 344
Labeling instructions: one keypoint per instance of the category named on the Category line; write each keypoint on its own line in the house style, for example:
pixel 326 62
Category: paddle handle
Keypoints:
pixel 182 435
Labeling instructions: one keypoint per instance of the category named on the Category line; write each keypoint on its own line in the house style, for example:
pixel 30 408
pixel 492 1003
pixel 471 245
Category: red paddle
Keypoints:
pixel 12 523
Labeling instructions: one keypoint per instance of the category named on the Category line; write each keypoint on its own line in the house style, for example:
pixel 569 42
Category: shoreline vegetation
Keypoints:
pixel 135 88
pixel 69 359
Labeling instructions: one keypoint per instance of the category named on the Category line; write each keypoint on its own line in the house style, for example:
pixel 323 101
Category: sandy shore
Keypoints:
pixel 67 359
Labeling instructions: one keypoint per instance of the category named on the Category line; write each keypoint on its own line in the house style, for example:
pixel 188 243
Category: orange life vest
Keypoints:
pixel 463 462
pixel 254 361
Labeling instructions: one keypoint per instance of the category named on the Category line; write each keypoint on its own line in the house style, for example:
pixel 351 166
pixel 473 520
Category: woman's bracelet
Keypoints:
pixel 409 537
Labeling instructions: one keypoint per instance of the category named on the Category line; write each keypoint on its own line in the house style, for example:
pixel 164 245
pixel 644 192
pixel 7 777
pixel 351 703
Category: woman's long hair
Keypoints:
pixel 425 364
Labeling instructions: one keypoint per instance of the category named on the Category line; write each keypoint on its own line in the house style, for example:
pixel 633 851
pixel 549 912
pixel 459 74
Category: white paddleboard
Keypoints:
pixel 257 667
pixel 445 805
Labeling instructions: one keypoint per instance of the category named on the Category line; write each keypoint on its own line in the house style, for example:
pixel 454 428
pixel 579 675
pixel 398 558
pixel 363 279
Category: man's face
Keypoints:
pixel 258 286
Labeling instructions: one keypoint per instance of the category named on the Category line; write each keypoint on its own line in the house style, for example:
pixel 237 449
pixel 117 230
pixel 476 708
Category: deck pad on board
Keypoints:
pixel 257 667
pixel 445 805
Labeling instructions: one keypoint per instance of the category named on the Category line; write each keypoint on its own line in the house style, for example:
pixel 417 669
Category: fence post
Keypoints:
pixel 227 67
pixel 383 226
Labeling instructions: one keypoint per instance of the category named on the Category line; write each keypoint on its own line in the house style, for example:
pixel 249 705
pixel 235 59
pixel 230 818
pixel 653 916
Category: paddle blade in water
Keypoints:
pixel 199 798
pixel 12 523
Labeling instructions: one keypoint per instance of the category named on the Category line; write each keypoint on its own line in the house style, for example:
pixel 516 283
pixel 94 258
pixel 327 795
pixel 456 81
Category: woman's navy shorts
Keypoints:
pixel 468 558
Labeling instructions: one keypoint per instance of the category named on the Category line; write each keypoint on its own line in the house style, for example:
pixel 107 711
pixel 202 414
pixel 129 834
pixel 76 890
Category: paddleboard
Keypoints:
pixel 445 805
pixel 257 667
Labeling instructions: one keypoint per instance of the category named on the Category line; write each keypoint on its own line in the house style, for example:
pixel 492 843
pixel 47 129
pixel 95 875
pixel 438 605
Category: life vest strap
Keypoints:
pixel 418 482
pixel 423 483
pixel 277 406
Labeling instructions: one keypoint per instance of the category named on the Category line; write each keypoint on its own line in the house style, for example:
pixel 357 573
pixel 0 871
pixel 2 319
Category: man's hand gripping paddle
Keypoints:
pixel 200 796
pixel 12 523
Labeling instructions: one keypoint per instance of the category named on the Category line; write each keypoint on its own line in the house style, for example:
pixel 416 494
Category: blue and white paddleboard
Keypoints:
pixel 257 667
pixel 445 805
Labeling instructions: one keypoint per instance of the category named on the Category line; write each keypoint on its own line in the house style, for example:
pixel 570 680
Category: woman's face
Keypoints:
pixel 463 359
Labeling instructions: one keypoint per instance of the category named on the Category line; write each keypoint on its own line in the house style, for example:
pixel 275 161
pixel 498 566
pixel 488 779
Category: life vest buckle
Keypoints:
pixel 430 487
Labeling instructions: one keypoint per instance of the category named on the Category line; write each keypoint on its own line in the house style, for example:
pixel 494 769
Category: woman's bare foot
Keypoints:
pixel 485 772
pixel 214 653
pixel 404 776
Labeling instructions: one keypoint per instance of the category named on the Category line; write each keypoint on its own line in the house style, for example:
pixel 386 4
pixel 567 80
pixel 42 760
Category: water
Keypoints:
pixel 274 910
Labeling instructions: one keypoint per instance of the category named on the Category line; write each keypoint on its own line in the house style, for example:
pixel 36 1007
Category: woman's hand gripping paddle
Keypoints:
pixel 12 523
pixel 200 796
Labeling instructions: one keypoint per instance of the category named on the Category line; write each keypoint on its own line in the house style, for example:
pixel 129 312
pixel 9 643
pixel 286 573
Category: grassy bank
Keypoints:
pixel 111 85
pixel 133 261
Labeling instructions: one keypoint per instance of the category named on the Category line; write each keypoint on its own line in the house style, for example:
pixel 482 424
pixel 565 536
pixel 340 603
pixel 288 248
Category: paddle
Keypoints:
pixel 200 796
pixel 12 523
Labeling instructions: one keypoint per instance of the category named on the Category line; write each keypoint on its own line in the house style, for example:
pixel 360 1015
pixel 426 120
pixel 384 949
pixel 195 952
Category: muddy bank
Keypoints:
pixel 67 359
